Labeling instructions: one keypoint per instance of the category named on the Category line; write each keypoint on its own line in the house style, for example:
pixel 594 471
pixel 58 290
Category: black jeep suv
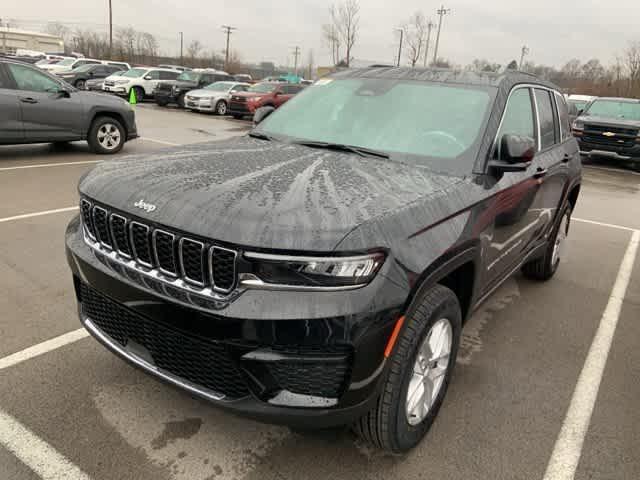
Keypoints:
pixel 318 271
pixel 174 91
pixel 610 127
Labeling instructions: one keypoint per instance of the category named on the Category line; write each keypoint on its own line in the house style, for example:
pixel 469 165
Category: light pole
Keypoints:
pixel 430 25
pixel 181 41
pixel 400 46
pixel 442 12
pixel 110 31
pixel 296 54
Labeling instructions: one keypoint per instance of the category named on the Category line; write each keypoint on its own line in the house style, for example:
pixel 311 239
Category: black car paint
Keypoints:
pixel 591 139
pixel 73 77
pixel 169 91
pixel 253 194
pixel 50 116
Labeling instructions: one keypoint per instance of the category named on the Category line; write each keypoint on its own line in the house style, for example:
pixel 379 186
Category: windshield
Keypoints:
pixel 219 86
pixel 135 72
pixel 263 88
pixel 406 119
pixel 67 62
pixel 614 109
pixel 188 76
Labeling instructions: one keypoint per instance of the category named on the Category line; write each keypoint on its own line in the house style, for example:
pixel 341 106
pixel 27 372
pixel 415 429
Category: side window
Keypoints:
pixel 31 80
pixel 154 74
pixel 111 70
pixel 565 128
pixel 547 116
pixel 518 118
pixel 240 88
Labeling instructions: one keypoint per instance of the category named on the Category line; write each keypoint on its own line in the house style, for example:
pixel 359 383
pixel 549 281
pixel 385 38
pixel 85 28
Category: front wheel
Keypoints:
pixel 221 108
pixel 81 85
pixel 106 136
pixel 139 93
pixel 420 369
pixel 545 267
pixel 180 100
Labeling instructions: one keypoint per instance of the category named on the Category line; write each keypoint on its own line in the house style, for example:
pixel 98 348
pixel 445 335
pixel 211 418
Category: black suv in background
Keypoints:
pixel 37 107
pixel 78 77
pixel 318 271
pixel 175 90
pixel 610 127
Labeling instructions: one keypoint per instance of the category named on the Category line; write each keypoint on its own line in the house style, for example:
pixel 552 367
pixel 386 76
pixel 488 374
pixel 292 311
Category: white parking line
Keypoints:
pixel 42 165
pixel 608 225
pixel 611 170
pixel 568 447
pixel 42 348
pixel 37 214
pixel 35 453
pixel 160 141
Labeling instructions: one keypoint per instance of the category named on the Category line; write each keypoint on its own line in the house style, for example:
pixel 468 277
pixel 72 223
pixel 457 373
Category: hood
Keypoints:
pixel 98 99
pixel 256 193
pixel 610 121
pixel 201 92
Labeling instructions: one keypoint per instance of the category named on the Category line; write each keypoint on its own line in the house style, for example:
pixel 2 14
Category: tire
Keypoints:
pixel 139 93
pixel 545 267
pixel 390 425
pixel 162 102
pixel 221 108
pixel 81 85
pixel 180 100
pixel 115 131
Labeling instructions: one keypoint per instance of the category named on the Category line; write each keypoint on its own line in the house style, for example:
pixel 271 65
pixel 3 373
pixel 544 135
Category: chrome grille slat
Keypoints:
pixel 187 263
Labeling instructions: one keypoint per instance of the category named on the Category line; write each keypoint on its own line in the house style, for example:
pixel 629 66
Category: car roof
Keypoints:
pixel 444 75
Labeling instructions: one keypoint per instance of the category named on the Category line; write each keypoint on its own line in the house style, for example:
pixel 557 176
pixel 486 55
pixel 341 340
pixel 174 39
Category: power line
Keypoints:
pixel 228 29
pixel 442 12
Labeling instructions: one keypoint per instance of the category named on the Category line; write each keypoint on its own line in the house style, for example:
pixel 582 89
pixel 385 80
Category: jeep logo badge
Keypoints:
pixel 147 207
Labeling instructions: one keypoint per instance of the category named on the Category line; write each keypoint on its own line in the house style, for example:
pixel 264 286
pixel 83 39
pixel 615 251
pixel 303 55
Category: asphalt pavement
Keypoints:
pixel 73 410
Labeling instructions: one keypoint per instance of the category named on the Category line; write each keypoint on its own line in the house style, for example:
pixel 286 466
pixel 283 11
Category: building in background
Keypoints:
pixel 12 39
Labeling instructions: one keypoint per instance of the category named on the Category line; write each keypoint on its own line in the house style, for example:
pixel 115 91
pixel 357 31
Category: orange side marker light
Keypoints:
pixel 393 337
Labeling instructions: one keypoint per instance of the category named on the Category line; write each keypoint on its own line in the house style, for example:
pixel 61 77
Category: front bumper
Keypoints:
pixel 308 372
pixel 201 105
pixel 617 153
pixel 115 89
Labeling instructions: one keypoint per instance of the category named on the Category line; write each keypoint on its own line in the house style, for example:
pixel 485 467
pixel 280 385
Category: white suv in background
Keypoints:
pixel 143 81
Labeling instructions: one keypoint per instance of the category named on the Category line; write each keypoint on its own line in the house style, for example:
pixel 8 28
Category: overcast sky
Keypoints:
pixel 554 30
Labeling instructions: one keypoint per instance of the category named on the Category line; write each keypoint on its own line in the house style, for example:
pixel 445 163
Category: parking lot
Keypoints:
pixel 71 409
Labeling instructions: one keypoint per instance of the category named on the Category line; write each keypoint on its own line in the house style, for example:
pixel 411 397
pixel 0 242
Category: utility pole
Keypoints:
pixel 296 54
pixel 430 25
pixel 400 46
pixel 228 29
pixel 442 12
pixel 110 31
pixel 181 41
pixel 525 51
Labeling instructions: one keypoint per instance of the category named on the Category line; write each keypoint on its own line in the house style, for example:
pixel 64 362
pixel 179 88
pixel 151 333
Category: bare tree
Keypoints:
pixel 632 65
pixel 194 49
pixel 415 35
pixel 234 65
pixel 332 39
pixel 483 65
pixel 592 71
pixel 345 17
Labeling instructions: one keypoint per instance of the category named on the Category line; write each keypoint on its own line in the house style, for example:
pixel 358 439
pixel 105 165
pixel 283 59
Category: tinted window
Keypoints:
pixel 518 117
pixel 547 117
pixel 565 128
pixel 169 75
pixel 111 69
pixel 240 88
pixel 435 123
pixel 154 74
pixel 85 62
pixel 32 80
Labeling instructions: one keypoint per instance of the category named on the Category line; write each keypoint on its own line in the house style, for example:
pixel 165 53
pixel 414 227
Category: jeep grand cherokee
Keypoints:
pixel 318 271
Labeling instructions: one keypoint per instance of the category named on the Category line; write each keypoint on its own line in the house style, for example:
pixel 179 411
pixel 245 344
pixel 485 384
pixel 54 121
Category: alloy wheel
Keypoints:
pixel 429 371
pixel 559 246
pixel 109 136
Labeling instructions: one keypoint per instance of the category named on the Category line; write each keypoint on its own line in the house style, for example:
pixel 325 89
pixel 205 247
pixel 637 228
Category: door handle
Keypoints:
pixel 28 100
pixel 540 172
pixel 566 158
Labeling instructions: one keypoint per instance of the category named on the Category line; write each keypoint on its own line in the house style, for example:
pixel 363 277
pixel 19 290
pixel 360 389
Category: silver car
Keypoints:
pixel 213 97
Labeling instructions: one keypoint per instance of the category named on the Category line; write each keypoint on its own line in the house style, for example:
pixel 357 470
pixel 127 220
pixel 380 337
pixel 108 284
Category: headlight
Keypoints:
pixel 310 273
pixel 578 125
pixel 120 82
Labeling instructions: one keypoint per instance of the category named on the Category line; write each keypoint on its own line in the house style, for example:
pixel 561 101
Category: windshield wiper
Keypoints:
pixel 261 136
pixel 362 151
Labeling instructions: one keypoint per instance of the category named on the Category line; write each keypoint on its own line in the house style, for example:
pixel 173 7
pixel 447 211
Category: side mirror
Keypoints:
pixel 91 74
pixel 148 77
pixel 516 153
pixel 277 94
pixel 261 114
pixel 63 93
pixel 580 112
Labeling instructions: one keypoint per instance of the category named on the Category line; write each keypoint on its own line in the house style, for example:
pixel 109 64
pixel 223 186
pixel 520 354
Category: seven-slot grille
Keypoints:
pixel 175 256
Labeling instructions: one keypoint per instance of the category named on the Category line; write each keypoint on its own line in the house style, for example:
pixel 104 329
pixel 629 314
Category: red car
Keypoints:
pixel 264 94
